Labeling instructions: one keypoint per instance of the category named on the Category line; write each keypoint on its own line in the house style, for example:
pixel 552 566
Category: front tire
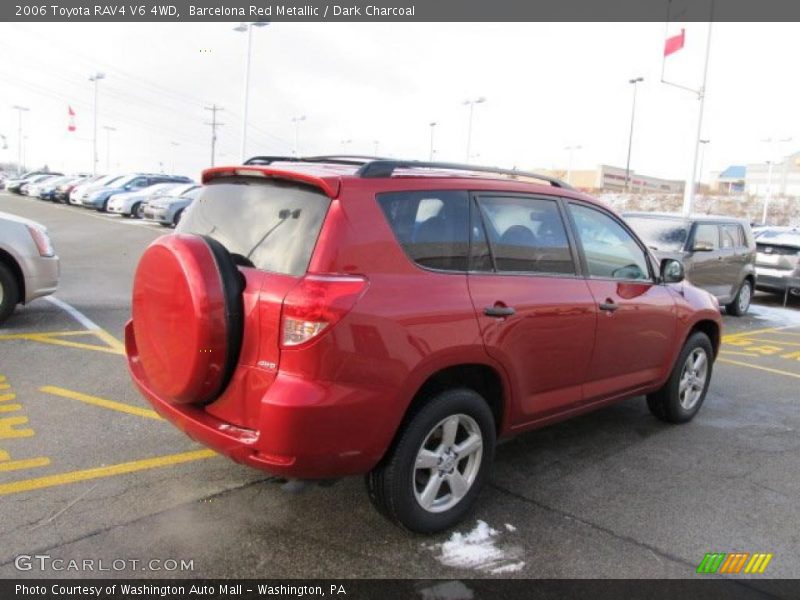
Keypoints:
pixel 137 212
pixel 682 396
pixel 9 292
pixel 741 303
pixel 433 474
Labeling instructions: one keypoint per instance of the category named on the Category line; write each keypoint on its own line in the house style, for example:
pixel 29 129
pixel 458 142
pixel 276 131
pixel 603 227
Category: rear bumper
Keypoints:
pixel 774 280
pixel 306 430
pixel 41 276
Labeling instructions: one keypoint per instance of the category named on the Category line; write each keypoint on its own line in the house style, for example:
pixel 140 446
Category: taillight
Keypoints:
pixel 315 304
pixel 42 241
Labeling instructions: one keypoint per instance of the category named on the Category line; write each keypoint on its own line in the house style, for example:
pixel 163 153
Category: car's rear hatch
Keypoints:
pixel 778 250
pixel 270 227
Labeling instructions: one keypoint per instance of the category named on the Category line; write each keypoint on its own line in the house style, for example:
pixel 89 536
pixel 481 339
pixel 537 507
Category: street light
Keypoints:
pixel 569 162
pixel 471 104
pixel 702 158
pixel 174 145
pixel 108 129
pixel 247 28
pixel 95 79
pixel 20 110
pixel 633 82
pixel 297 121
pixel 432 125
pixel 770 162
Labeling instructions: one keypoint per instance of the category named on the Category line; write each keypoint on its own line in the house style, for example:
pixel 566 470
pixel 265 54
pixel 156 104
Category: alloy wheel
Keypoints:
pixel 693 378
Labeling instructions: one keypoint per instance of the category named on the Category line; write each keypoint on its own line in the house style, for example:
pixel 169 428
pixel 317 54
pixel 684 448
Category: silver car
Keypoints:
pixel 168 210
pixel 778 260
pixel 29 267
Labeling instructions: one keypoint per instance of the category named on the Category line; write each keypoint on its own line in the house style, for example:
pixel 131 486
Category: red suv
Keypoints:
pixel 333 316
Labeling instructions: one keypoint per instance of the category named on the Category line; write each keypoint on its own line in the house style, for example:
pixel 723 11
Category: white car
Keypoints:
pixel 131 204
pixel 80 192
pixel 29 267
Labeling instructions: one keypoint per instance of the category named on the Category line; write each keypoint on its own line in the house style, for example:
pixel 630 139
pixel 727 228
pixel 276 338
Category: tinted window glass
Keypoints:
pixel 726 236
pixel 611 252
pixel 430 226
pixel 526 235
pixel 707 234
pixel 271 225
pixel 661 234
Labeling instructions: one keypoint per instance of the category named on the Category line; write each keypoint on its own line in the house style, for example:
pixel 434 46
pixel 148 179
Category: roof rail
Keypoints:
pixel 386 168
pixel 375 167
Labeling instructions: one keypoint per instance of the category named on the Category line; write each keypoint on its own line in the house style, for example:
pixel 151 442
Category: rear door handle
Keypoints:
pixel 499 311
pixel 609 306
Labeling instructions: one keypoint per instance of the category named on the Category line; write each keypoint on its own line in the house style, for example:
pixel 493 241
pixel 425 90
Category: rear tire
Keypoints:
pixel 432 476
pixel 177 218
pixel 9 292
pixel 137 212
pixel 684 392
pixel 741 303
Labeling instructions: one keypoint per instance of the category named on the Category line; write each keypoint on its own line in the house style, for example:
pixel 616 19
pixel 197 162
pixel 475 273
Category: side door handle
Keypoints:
pixel 499 311
pixel 609 305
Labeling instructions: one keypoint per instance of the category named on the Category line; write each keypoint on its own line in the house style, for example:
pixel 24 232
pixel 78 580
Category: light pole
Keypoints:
pixel 770 162
pixel 95 79
pixel 634 82
pixel 248 29
pixel 432 125
pixel 297 121
pixel 108 129
pixel 471 104
pixel 20 110
pixel 702 159
pixel 174 145
pixel 569 161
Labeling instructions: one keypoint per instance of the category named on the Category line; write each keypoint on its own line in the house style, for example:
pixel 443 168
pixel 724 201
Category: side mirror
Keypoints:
pixel 702 247
pixel 672 271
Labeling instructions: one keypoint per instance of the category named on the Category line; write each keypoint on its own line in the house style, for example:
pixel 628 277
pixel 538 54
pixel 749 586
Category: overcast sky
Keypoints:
pixel 547 86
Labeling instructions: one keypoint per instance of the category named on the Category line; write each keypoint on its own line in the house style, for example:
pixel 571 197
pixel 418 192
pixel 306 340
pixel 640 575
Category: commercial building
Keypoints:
pixel 606 178
pixel 784 180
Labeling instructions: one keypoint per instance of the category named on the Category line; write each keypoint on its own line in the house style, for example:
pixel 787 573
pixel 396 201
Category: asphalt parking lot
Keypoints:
pixel 88 471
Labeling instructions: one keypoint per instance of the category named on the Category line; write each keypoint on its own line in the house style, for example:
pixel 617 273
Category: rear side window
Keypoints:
pixel 271 225
pixel 432 227
pixel 526 235
pixel 733 236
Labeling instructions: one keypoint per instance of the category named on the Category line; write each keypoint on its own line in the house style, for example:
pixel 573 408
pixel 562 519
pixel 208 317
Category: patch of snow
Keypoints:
pixel 448 590
pixel 510 527
pixel 478 550
pixel 776 314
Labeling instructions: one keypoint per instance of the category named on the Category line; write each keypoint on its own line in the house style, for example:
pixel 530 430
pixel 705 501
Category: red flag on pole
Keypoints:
pixel 71 126
pixel 674 43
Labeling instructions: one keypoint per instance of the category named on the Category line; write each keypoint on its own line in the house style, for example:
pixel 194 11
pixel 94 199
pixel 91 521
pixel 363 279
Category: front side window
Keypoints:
pixel 431 226
pixel 611 252
pixel 526 235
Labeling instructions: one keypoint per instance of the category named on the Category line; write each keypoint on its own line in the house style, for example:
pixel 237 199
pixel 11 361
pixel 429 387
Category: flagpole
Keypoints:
pixel 689 188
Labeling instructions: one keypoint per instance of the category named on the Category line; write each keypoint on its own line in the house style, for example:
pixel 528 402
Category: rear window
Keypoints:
pixel 432 227
pixel 272 225
pixel 660 234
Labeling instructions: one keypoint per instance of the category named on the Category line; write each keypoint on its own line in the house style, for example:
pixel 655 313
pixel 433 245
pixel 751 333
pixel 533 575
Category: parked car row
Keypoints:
pixel 128 195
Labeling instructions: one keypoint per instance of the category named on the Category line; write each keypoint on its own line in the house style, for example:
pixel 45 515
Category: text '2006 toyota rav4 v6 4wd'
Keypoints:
pixel 318 318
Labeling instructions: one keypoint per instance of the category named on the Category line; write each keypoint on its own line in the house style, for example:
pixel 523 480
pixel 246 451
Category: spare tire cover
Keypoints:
pixel 187 317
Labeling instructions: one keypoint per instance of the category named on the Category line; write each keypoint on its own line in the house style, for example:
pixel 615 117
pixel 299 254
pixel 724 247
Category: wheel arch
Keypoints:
pixel 9 261
pixel 711 329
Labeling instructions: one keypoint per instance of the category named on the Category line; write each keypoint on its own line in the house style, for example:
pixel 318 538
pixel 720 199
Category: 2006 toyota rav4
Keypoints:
pixel 325 317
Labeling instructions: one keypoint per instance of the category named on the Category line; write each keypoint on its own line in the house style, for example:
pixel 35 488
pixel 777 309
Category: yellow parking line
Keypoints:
pixel 10 407
pixel 747 333
pixel 101 402
pixel 26 463
pixel 38 483
pixel 778 342
pixel 759 367
pixel 750 354
pixel 53 338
